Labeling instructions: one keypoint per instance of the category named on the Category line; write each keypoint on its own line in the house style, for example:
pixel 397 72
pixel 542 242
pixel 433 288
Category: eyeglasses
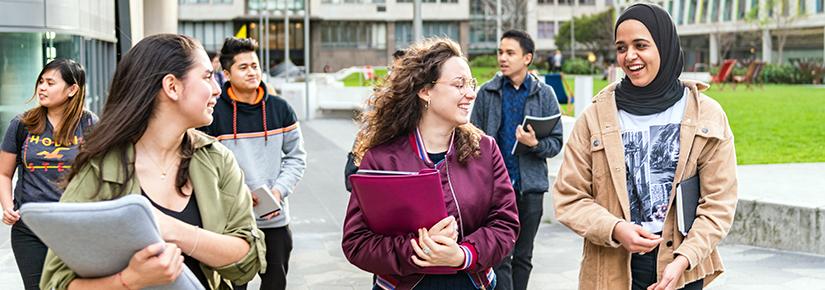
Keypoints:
pixel 471 83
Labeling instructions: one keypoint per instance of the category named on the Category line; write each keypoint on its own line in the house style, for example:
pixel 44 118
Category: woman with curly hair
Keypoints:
pixel 420 120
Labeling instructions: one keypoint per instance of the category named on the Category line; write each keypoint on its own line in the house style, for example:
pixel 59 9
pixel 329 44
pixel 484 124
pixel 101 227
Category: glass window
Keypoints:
pixel 403 34
pixel 728 10
pixel 820 6
pixel 742 10
pixel 351 34
pixel 222 1
pixel 404 31
pixel 587 2
pixel 692 11
pixel 403 1
pixel 21 58
pixel 210 33
pixel 714 11
pixel 566 2
pixel 547 29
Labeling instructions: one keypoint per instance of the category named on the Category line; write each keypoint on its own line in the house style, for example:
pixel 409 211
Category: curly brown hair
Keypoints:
pixel 396 107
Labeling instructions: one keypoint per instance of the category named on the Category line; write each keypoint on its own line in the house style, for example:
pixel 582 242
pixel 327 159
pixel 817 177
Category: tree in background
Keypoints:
pixel 594 33
pixel 777 16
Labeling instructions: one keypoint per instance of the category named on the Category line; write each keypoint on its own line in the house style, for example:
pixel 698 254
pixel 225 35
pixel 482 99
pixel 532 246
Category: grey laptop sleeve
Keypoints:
pixel 97 239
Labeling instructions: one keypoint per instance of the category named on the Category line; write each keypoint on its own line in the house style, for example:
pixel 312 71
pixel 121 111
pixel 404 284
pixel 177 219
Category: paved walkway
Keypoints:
pixel 318 211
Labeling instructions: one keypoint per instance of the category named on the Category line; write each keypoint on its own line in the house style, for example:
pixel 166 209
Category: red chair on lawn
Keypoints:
pixel 724 72
pixel 751 76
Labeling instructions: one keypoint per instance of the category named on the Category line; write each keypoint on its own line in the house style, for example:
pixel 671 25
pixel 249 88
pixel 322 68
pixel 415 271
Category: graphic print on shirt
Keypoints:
pixel 40 152
pixel 651 158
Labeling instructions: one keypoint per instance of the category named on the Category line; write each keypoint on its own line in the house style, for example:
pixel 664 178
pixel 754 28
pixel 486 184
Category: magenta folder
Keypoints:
pixel 398 203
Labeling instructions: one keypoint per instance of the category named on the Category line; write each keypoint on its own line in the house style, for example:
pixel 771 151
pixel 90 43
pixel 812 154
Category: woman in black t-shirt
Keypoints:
pixel 41 145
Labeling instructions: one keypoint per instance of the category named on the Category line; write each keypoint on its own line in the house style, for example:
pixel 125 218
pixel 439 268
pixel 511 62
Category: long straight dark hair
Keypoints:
pixel 36 118
pixel 132 101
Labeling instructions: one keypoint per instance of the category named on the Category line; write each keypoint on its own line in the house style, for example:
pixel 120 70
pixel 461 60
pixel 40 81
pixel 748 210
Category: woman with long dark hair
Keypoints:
pixel 627 158
pixel 145 144
pixel 41 145
pixel 420 120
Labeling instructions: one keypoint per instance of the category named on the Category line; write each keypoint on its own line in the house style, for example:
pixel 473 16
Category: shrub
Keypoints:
pixel 784 74
pixel 578 66
pixel 487 60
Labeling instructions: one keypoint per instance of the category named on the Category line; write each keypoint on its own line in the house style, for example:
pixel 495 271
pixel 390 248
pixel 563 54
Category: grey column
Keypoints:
pixel 160 16
pixel 714 48
pixel 767 46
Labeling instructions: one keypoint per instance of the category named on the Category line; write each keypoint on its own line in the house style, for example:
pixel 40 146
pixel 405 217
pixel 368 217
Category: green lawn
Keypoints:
pixel 357 79
pixel 780 124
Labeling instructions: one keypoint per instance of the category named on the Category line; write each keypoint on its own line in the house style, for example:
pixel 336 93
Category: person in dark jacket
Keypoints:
pixel 421 120
pixel 501 106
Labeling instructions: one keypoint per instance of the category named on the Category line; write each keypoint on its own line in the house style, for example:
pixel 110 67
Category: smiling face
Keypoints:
pixel 636 52
pixel 453 93
pixel 52 91
pixel 200 91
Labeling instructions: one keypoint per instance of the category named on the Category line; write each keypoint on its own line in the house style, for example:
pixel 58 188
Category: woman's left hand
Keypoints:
pixel 671 275
pixel 432 251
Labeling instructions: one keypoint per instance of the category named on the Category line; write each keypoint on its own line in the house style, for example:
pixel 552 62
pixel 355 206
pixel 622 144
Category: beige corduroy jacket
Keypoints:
pixel 590 192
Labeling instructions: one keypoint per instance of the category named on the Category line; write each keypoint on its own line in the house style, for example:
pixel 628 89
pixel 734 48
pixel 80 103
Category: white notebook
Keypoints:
pixel 97 239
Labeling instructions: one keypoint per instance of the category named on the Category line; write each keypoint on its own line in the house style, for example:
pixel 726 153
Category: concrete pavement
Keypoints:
pixel 319 205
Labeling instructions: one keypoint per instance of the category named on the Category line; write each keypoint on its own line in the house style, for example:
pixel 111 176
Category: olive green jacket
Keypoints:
pixel 223 199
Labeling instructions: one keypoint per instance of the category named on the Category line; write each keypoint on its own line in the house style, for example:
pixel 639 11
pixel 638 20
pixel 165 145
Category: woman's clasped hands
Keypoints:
pixel 438 246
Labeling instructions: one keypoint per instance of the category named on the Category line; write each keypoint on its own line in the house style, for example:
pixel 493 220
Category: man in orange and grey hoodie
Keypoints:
pixel 262 131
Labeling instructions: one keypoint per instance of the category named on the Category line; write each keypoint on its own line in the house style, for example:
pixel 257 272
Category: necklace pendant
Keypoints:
pixel 163 175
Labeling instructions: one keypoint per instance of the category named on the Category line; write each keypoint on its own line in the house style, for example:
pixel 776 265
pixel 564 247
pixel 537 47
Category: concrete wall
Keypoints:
pixel 779 226
pixel 211 11
pixel 394 11
pixel 90 18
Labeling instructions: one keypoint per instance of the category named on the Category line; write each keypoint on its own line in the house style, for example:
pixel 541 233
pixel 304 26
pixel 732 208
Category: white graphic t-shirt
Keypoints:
pixel 651 150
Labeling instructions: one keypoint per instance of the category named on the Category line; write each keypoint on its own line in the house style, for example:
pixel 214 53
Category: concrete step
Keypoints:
pixel 781 206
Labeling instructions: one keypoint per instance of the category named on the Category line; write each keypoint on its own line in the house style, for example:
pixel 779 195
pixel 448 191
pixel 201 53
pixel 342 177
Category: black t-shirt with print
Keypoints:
pixel 41 161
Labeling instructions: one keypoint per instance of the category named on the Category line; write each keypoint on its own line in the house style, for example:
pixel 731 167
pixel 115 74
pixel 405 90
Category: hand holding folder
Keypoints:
pixel 399 203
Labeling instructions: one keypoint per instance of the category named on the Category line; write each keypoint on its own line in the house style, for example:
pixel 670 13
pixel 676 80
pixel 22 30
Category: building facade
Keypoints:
pixel 92 32
pixel 713 30
pixel 343 33
pixel 34 32
pixel 347 33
